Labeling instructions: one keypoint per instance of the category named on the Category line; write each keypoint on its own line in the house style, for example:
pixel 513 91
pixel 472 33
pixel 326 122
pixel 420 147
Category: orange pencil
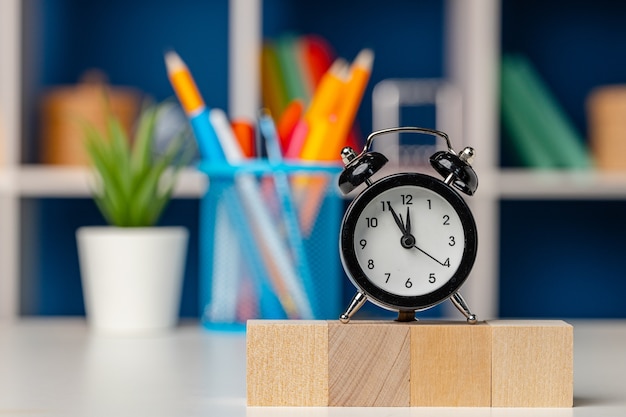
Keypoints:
pixel 323 105
pixel 309 190
pixel 328 91
pixel 351 95
pixel 196 110
pixel 328 136
pixel 244 132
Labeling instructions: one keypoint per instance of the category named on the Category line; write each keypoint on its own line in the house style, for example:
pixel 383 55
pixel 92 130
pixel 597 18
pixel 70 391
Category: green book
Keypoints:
pixel 273 87
pixel 518 121
pixel 562 139
pixel 553 130
pixel 287 52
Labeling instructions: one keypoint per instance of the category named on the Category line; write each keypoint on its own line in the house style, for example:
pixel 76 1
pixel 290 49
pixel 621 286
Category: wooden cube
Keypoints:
pixel 450 364
pixel 532 363
pixel 287 363
pixel 368 364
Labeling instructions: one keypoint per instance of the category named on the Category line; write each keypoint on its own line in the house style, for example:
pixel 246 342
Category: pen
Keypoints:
pixel 283 190
pixel 269 305
pixel 190 99
pixel 226 136
pixel 225 271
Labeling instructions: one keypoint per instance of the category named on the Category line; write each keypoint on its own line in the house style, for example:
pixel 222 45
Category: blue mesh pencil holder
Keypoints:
pixel 268 243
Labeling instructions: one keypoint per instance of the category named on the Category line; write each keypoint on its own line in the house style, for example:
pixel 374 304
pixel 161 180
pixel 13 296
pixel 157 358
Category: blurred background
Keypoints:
pixel 551 231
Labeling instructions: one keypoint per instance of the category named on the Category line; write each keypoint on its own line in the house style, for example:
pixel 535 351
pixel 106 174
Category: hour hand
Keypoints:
pixel 407 226
pixel 397 219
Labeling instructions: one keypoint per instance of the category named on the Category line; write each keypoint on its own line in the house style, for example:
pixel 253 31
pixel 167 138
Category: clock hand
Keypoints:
pixel 397 219
pixel 430 256
pixel 407 226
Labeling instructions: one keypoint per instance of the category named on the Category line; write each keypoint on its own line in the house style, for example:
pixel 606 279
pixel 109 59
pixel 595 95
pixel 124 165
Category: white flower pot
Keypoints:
pixel 132 277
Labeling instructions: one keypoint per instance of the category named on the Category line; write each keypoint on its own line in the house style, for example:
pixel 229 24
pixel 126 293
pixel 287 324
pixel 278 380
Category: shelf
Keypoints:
pixel 5 183
pixel 557 185
pixel 57 181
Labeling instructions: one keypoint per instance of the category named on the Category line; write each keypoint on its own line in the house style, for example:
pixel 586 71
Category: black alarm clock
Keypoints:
pixel 408 241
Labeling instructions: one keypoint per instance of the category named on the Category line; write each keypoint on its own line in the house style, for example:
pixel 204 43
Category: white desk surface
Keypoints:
pixel 57 367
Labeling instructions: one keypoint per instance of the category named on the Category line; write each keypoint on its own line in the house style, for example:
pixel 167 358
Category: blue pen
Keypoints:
pixel 283 190
pixel 269 304
pixel 190 99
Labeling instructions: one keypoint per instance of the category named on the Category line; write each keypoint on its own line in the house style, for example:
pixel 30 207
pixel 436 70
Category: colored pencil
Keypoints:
pixel 352 95
pixel 193 104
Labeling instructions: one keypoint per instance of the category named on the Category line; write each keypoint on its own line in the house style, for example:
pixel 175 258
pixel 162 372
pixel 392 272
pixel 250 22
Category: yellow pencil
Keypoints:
pixel 328 133
pixel 326 95
pixel 309 190
pixel 322 105
pixel 351 97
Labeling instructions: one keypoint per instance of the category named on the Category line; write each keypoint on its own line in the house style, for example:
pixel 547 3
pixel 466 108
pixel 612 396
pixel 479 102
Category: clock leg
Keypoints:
pixel 357 302
pixel 461 305
pixel 406 315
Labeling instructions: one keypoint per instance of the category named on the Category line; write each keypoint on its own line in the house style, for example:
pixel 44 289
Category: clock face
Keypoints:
pixel 408 241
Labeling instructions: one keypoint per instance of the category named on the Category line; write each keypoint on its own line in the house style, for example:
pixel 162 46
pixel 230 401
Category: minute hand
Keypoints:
pixel 397 219
pixel 430 256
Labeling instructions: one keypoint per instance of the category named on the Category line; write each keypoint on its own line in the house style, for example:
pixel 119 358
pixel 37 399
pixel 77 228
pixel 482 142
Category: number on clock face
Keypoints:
pixel 409 241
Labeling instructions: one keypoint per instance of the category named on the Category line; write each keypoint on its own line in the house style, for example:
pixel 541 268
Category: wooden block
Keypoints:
pixel 287 363
pixel 532 363
pixel 450 364
pixel 384 364
pixel 368 364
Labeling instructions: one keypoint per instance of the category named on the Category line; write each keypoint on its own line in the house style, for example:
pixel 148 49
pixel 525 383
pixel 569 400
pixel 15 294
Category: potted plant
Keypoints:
pixel 132 270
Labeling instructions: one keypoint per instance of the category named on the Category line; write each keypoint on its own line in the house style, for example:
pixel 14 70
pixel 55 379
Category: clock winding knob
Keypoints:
pixel 359 168
pixel 467 155
pixel 457 169
pixel 348 155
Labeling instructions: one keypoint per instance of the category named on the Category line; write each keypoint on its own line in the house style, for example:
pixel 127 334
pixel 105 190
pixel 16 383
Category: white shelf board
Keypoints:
pixel 4 181
pixel 558 185
pixel 65 181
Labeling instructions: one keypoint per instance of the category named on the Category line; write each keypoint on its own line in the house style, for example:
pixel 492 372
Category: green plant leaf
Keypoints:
pixel 120 166
pixel 156 189
pixel 142 146
pixel 101 156
pixel 134 186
